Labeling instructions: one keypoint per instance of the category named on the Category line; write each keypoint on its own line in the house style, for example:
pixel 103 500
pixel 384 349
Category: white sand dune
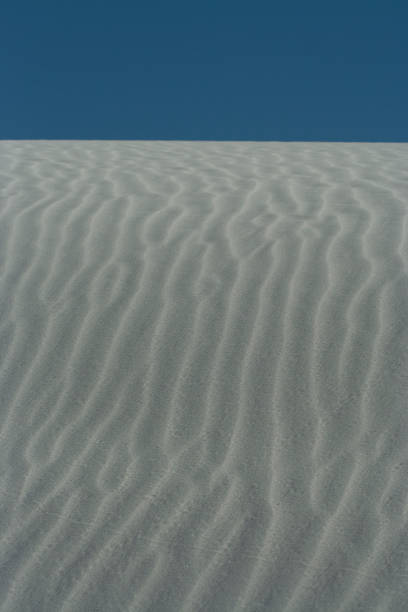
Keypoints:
pixel 203 377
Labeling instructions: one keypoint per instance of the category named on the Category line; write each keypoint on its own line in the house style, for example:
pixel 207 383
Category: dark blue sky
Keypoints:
pixel 209 70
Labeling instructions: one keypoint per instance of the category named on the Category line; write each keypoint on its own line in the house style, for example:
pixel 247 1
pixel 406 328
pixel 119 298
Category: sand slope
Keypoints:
pixel 203 377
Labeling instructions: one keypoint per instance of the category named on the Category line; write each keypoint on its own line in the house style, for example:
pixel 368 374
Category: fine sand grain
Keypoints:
pixel 203 377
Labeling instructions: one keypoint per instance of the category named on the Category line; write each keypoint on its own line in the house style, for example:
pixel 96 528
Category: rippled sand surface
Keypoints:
pixel 203 377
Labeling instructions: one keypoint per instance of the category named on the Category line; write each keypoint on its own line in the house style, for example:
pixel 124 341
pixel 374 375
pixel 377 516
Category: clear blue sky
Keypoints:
pixel 213 70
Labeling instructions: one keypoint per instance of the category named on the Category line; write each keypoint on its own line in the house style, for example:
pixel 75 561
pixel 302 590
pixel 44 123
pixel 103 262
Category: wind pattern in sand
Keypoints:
pixel 203 377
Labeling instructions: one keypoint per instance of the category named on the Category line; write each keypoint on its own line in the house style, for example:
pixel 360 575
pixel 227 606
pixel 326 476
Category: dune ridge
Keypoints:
pixel 203 376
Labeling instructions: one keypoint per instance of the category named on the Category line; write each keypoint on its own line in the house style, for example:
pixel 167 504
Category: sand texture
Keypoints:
pixel 203 377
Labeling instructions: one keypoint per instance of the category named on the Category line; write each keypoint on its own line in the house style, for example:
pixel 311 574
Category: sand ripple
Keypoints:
pixel 203 377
